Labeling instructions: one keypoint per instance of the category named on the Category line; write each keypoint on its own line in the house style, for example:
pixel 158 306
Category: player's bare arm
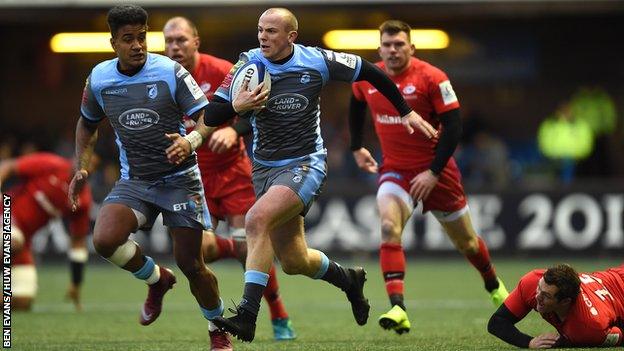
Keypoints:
pixel 182 146
pixel 365 160
pixel 223 140
pixel 86 137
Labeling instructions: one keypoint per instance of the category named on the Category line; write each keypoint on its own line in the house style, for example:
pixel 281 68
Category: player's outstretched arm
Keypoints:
pixel 502 324
pixel 411 120
pixel 86 137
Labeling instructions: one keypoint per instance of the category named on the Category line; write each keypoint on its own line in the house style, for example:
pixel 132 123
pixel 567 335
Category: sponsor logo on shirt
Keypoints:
pixel 385 119
pixel 329 54
pixel 182 71
pixel 192 86
pixel 118 91
pixel 205 87
pixel 138 118
pixel 287 103
pixel 448 95
pixel 409 89
pixel 611 340
pixel 348 60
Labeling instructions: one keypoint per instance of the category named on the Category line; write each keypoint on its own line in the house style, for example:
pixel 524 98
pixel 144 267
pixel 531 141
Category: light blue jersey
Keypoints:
pixel 141 109
pixel 289 127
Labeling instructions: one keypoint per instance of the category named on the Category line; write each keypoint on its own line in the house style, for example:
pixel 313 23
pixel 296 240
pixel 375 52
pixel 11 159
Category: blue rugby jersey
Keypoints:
pixel 141 109
pixel 289 127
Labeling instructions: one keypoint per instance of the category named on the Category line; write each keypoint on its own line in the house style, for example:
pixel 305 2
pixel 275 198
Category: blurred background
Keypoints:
pixel 529 75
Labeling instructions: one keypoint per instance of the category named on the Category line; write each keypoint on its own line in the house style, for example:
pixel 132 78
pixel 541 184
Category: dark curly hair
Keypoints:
pixel 565 278
pixel 122 15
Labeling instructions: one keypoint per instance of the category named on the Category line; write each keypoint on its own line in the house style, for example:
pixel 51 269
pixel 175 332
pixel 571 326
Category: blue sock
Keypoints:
pixel 324 266
pixel 146 271
pixel 212 314
pixel 333 273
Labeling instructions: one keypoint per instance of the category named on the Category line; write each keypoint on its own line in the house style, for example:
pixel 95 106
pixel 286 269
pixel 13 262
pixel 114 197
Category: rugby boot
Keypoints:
pixel 220 341
pixel 395 319
pixel 242 324
pixel 153 304
pixel 355 294
pixel 282 329
pixel 499 294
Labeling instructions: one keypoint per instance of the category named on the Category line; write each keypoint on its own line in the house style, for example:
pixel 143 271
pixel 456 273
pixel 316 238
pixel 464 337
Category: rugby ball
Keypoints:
pixel 255 72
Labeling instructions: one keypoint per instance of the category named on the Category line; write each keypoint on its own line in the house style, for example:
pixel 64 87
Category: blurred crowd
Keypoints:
pixel 577 142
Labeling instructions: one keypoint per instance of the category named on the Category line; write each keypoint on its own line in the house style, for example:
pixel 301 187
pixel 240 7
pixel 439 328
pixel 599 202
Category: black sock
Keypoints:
pixel 251 300
pixel 397 299
pixel 337 276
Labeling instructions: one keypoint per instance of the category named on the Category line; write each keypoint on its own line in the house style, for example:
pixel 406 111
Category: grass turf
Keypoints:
pixel 447 305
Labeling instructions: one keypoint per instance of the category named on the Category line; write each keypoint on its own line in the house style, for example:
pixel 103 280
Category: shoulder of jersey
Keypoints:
pixel 157 59
pixel 253 54
pixel 104 66
pixel 427 68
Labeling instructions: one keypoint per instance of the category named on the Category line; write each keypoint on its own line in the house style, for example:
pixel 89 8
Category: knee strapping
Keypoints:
pixel 123 253
pixel 239 234
pixel 78 254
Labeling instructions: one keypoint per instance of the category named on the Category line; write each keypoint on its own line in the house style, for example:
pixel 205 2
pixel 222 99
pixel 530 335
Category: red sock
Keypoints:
pixel 272 296
pixel 481 261
pixel 392 260
pixel 225 246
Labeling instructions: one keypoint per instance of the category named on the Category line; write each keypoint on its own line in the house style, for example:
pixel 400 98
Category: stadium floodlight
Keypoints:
pixel 368 39
pixel 97 42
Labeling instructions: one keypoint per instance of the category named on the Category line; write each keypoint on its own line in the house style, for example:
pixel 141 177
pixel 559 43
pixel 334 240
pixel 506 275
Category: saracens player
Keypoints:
pixel 39 197
pixel 414 167
pixel 224 165
pixel 587 309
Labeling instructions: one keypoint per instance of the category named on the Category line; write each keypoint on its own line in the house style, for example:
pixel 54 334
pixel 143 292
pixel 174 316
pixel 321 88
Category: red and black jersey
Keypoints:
pixel 593 319
pixel 428 92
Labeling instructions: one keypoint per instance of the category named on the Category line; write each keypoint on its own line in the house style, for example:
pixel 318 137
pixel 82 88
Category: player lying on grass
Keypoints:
pixel 587 309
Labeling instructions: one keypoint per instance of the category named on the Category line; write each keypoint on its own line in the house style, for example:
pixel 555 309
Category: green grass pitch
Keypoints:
pixel 446 303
